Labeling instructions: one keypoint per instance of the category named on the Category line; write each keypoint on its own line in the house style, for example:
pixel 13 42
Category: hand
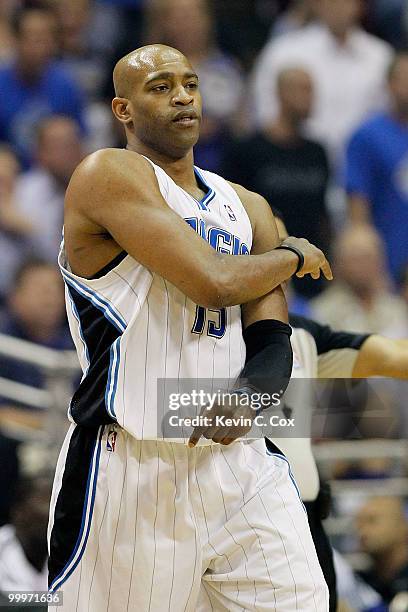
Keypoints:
pixel 224 422
pixel 315 260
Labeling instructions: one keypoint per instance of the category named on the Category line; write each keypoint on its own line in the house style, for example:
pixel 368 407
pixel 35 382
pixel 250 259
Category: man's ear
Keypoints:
pixel 120 108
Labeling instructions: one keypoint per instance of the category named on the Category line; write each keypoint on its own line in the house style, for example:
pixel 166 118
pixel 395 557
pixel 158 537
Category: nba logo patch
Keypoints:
pixel 111 441
pixel 230 212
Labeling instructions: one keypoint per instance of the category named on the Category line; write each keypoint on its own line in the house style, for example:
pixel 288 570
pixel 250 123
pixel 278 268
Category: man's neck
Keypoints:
pixel 283 130
pixel 401 115
pixel 27 73
pixel 391 562
pixel 181 170
pixel 340 36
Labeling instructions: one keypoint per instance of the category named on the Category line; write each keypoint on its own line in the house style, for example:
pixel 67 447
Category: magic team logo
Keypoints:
pixel 111 441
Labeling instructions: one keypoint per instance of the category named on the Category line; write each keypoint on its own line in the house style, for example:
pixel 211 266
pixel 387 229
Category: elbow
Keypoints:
pixel 223 292
pixel 218 292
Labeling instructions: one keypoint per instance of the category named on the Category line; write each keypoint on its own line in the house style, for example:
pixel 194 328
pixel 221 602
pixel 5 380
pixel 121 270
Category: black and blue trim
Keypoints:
pixel 210 193
pixel 74 506
pixel 101 329
pixel 271 449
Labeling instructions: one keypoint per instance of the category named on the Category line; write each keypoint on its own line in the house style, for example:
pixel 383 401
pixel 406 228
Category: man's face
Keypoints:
pixel 165 106
pixel 60 148
pixel 399 84
pixel 381 525
pixel 37 40
pixel 296 93
pixel 196 14
pixel 38 301
pixel 339 15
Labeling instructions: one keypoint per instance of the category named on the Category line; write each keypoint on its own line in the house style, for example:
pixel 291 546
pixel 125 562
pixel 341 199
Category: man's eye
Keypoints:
pixel 160 88
pixel 192 85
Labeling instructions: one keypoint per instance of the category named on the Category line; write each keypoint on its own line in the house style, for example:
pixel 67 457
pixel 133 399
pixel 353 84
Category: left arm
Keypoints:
pixel 380 356
pixel 265 238
pixel 265 321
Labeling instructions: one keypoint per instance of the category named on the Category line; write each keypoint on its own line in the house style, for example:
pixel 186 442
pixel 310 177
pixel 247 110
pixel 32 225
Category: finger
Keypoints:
pixel 326 269
pixel 221 434
pixel 315 275
pixel 195 436
pixel 226 441
pixel 210 432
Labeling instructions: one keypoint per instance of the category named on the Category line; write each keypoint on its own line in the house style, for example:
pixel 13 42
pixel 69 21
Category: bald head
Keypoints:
pixel 295 93
pixel 360 259
pixel 140 61
pixel 158 101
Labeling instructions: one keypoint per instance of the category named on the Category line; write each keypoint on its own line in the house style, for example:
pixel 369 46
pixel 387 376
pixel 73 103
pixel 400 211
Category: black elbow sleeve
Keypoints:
pixel 269 357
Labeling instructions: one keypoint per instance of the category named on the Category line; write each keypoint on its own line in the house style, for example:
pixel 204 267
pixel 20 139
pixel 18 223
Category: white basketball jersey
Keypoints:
pixel 132 328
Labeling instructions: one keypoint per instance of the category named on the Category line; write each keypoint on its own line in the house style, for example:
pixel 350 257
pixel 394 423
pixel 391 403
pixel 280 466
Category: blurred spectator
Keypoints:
pixel 404 283
pixel 6 41
pixel 348 67
pixel 23 542
pixel 34 85
pixel 221 80
pixel 353 591
pixel 40 191
pixel 359 300
pixel 383 530
pixel 377 170
pixel 15 230
pixel 297 15
pixel 88 33
pixel 35 312
pixel 291 172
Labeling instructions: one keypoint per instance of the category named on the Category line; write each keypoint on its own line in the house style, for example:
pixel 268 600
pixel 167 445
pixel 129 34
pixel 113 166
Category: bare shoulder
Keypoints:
pixel 105 173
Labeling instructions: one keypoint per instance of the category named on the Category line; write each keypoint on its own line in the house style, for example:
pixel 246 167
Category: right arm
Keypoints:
pixel 117 192
pixel 359 209
pixel 359 177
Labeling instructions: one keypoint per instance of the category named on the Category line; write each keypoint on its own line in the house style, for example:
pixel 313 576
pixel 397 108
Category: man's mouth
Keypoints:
pixel 186 117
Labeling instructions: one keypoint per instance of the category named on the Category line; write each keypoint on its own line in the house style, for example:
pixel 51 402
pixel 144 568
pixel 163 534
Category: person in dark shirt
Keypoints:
pixel 291 172
pixel 382 526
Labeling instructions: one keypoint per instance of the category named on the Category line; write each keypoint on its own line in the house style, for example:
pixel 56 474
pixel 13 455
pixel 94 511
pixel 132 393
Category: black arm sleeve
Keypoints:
pixel 269 357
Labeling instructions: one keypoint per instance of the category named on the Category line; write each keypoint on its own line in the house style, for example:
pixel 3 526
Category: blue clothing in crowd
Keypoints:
pixel 23 105
pixel 377 168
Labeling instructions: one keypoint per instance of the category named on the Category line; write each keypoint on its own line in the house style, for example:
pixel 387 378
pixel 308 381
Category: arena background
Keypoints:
pixel 299 106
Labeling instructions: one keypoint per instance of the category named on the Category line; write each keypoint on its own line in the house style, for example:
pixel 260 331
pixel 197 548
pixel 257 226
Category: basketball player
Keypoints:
pixel 139 523
pixel 321 352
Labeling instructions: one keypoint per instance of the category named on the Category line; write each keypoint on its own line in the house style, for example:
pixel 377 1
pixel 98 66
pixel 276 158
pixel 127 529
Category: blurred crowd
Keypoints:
pixel 305 102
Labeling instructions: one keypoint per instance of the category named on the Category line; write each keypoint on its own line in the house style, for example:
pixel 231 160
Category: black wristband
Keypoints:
pixel 298 252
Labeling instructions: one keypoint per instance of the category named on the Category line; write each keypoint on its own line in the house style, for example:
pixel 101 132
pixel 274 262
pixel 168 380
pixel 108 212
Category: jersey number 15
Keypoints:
pixel 214 320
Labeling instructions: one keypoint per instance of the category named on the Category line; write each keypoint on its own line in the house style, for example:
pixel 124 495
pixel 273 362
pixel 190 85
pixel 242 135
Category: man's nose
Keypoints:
pixel 182 96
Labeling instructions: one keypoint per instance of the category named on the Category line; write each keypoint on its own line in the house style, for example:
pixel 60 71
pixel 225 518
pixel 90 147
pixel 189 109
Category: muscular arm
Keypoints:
pixel 381 356
pixel 265 238
pixel 270 363
pixel 115 192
